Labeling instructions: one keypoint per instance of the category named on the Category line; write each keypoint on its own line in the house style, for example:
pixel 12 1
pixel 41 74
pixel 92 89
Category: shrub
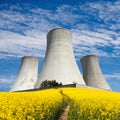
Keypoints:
pixel 50 84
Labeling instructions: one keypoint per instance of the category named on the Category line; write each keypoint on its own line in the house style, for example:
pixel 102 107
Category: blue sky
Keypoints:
pixel 95 26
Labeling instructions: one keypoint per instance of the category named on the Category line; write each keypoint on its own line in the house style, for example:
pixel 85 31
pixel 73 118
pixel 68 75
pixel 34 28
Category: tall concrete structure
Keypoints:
pixel 59 63
pixel 92 73
pixel 27 75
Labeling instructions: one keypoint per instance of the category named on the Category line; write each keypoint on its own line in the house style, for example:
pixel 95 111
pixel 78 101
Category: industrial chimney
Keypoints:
pixel 27 75
pixel 92 73
pixel 59 63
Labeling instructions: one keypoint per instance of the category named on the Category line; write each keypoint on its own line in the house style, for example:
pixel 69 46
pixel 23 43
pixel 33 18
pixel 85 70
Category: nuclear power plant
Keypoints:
pixel 60 65
pixel 28 74
pixel 92 73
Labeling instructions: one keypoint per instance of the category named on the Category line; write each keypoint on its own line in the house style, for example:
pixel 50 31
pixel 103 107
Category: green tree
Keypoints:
pixel 50 84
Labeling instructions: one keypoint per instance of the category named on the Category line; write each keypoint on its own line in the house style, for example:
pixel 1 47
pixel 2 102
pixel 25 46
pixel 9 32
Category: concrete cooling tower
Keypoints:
pixel 27 75
pixel 92 73
pixel 59 63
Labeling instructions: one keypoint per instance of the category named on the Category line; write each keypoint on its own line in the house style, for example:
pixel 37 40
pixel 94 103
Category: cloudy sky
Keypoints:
pixel 95 26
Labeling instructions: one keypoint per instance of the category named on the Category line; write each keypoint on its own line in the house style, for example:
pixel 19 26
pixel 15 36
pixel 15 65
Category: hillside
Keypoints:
pixel 84 104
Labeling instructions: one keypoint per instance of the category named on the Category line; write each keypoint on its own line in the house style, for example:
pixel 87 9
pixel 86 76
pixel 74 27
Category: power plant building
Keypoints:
pixel 59 63
pixel 28 74
pixel 92 73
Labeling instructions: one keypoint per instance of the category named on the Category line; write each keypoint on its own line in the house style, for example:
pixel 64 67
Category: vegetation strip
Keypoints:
pixel 64 115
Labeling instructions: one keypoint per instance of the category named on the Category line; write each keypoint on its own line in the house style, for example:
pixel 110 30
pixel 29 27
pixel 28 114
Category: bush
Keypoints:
pixel 50 84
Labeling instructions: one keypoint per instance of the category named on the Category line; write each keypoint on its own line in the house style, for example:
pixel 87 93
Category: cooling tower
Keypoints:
pixel 92 73
pixel 59 63
pixel 27 75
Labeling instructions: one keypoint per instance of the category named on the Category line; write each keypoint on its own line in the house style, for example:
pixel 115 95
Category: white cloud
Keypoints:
pixel 114 81
pixel 116 76
pixel 108 11
pixel 92 38
pixel 24 33
pixel 6 82
pixel 98 43
pixel 16 44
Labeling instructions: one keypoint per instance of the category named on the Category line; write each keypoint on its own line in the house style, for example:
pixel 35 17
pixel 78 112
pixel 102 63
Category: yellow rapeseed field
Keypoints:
pixel 41 105
pixel 88 104
pixel 85 104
